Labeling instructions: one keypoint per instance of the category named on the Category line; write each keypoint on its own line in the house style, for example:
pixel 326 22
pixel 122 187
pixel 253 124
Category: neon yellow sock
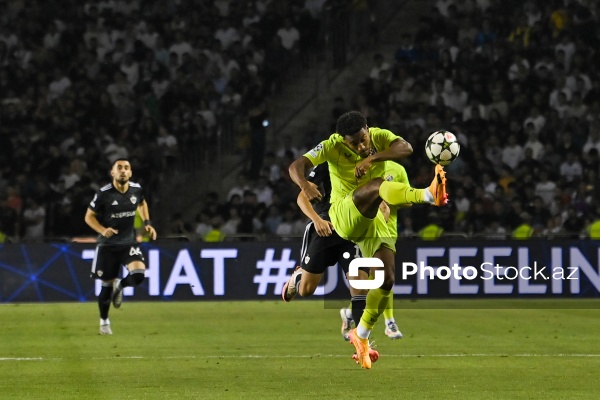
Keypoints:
pixel 388 313
pixel 377 300
pixel 397 193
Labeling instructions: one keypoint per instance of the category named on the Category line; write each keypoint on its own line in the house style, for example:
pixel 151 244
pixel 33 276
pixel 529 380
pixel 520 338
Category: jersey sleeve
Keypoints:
pixel 96 202
pixel 318 155
pixel 142 197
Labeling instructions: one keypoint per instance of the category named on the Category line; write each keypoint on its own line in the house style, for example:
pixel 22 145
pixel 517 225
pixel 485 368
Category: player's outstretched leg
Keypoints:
pixel 290 289
pixel 346 315
pixel 398 193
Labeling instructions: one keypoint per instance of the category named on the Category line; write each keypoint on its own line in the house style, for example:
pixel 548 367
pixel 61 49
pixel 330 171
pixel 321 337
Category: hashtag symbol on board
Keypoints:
pixel 270 265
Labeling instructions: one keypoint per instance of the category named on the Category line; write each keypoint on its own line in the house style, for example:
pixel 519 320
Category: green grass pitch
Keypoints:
pixel 272 350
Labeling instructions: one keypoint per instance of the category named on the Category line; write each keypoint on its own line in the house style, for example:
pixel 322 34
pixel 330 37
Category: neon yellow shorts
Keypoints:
pixel 369 234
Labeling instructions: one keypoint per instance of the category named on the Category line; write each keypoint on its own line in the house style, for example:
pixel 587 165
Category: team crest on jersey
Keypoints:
pixel 317 149
pixel 99 273
pixel 389 178
pixel 133 199
pixel 306 259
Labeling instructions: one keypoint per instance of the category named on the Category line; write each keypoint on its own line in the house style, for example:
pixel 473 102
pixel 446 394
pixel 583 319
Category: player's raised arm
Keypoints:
pixel 298 170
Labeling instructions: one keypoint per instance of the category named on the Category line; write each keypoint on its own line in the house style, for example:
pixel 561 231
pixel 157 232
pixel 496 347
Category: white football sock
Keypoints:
pixel 429 197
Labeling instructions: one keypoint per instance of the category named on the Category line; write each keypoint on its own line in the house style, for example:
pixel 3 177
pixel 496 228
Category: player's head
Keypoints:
pixel 121 171
pixel 353 127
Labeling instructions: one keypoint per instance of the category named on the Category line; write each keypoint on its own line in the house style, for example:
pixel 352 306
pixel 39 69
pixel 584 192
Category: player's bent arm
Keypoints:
pixel 298 170
pixel 398 150
pixel 323 228
pixel 92 221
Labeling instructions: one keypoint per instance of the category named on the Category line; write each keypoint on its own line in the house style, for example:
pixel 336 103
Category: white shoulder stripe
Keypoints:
pixel 133 184
pixel 107 187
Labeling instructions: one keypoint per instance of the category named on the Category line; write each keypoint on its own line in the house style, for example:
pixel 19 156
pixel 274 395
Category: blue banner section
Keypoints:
pixel 258 270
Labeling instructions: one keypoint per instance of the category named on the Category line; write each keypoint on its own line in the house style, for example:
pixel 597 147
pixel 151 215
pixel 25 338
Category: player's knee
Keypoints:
pixel 137 275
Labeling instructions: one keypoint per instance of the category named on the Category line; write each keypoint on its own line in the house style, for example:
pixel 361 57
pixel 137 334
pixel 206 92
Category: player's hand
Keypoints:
pixel 108 232
pixel 151 231
pixel 311 191
pixel 323 227
pixel 361 169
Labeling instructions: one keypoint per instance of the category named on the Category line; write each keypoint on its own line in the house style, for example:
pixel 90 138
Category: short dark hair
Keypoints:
pixel 350 123
pixel 117 160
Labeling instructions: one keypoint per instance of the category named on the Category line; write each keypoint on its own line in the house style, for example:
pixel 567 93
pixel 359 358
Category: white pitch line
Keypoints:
pixel 300 356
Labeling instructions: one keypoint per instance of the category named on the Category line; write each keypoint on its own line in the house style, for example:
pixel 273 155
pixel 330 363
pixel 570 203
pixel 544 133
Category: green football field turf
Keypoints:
pixel 272 350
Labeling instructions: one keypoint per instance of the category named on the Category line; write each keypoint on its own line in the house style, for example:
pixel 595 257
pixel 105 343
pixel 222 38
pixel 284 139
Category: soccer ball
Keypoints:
pixel 442 147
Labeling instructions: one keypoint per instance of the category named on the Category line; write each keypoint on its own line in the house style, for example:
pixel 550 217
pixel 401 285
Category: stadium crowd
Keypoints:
pixel 86 83
pixel 514 80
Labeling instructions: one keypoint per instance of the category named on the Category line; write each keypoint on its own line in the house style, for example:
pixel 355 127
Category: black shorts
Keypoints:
pixel 319 252
pixel 108 260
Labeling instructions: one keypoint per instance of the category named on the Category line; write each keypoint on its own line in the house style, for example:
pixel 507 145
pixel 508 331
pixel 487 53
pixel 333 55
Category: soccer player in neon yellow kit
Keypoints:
pixel 355 154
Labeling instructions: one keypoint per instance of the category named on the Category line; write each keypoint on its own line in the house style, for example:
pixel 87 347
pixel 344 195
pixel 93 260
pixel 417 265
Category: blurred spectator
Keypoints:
pixel 178 225
pixel 264 193
pixel 545 188
pixel 34 219
pixel 250 214
pixel 216 234
pixel 524 230
pixel 240 187
pixel 432 230
pixel 512 153
pixel 203 224
pixel 570 169
pixel 573 224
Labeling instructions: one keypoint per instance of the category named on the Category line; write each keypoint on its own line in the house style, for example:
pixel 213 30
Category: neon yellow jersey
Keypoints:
pixel 431 232
pixel 394 172
pixel 342 161
pixel 523 231
pixel 594 230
